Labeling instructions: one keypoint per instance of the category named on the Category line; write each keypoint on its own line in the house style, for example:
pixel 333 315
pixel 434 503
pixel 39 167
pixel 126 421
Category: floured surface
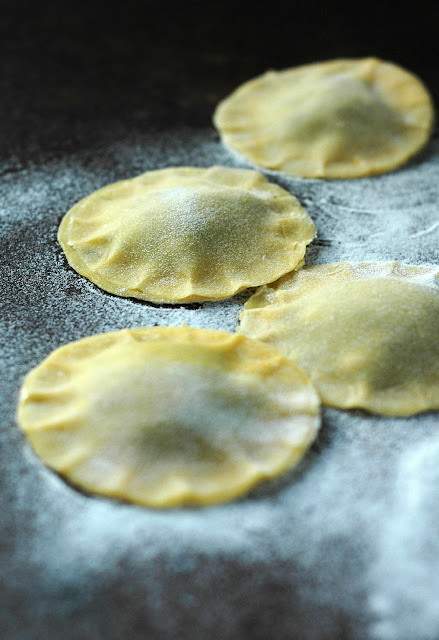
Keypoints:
pixel 318 555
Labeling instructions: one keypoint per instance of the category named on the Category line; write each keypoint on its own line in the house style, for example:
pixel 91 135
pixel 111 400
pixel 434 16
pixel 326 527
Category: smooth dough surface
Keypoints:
pixel 338 119
pixel 367 334
pixel 168 416
pixel 186 234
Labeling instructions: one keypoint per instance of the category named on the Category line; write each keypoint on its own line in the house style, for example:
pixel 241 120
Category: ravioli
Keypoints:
pixel 337 119
pixel 184 234
pixel 367 334
pixel 168 416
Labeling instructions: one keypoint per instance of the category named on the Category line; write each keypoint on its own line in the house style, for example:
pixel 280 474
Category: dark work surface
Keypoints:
pixel 343 549
pixel 73 74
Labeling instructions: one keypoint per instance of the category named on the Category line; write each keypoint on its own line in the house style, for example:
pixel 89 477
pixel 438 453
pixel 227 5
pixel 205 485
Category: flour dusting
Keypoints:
pixel 343 547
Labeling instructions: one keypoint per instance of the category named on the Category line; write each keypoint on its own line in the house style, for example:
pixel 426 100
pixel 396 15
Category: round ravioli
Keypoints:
pixel 168 416
pixel 335 119
pixel 367 334
pixel 186 234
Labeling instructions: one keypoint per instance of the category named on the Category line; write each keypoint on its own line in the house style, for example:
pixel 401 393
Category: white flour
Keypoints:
pixel 336 549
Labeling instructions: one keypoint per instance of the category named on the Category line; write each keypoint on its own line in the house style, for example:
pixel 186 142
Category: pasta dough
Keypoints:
pixel 167 416
pixel 336 119
pixel 186 234
pixel 367 334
